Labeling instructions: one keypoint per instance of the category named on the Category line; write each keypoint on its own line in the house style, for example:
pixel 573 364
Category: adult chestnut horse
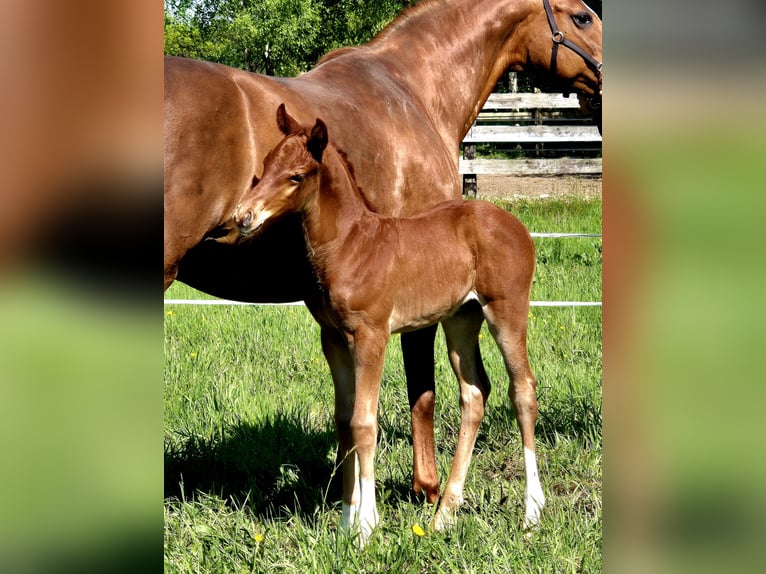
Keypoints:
pixel 378 275
pixel 400 107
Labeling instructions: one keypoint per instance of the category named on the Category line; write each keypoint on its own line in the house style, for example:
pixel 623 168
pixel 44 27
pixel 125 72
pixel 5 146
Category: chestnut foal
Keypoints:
pixel 458 263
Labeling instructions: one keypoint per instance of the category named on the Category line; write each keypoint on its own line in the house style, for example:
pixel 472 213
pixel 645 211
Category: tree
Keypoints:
pixel 354 22
pixel 267 36
pixel 282 37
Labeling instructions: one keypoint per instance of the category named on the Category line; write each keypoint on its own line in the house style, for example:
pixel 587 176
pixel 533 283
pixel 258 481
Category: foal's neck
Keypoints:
pixel 337 207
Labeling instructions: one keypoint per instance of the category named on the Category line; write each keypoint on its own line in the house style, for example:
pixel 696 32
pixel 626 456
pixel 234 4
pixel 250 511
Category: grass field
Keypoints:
pixel 250 483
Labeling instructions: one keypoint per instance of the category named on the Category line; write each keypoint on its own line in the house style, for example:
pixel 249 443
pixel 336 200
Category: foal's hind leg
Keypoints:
pixel 508 324
pixel 462 333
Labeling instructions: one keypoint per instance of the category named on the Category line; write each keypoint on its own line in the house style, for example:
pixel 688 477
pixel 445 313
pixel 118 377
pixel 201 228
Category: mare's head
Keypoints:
pixel 564 38
pixel 290 175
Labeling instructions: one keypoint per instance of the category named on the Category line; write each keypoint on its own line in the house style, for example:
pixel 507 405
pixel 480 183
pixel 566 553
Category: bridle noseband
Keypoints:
pixel 559 39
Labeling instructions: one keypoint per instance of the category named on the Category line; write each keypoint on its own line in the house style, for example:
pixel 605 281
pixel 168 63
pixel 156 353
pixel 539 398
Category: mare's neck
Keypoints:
pixel 451 55
pixel 336 207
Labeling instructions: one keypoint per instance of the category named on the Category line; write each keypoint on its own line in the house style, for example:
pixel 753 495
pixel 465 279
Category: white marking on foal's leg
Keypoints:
pixel 534 499
pixel 351 511
pixel 348 516
pixel 368 510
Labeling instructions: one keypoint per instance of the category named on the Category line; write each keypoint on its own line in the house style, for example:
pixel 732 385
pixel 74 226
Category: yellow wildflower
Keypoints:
pixel 417 530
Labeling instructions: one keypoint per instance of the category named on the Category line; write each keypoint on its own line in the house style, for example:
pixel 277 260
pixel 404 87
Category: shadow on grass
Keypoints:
pixel 573 419
pixel 578 419
pixel 280 466
pixel 284 466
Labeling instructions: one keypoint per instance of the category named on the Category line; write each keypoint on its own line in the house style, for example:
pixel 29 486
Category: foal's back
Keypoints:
pixel 420 269
pixel 485 244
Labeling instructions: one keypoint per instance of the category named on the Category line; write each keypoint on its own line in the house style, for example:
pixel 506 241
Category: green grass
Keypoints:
pixel 250 483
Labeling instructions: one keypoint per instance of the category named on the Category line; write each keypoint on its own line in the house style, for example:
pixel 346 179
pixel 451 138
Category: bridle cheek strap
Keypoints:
pixel 559 39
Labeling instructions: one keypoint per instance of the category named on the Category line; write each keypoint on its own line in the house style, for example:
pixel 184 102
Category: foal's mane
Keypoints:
pixel 350 170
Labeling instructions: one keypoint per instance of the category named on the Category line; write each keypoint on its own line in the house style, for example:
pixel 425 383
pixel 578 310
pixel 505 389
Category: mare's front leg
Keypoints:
pixel 336 351
pixel 368 350
pixel 418 354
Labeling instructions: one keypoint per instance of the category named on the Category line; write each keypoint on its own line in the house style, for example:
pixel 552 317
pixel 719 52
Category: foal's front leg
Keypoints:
pixel 336 351
pixel 368 351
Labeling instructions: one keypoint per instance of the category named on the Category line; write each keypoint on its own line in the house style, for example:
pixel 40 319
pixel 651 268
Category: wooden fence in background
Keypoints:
pixel 547 133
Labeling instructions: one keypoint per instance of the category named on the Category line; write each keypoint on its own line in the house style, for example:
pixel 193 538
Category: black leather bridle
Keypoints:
pixel 559 39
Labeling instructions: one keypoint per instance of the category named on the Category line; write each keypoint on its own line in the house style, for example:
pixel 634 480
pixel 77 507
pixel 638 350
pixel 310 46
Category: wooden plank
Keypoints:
pixel 531 134
pixel 559 166
pixel 530 101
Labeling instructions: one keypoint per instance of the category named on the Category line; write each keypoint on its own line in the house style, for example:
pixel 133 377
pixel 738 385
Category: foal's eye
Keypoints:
pixel 583 19
pixel 297 178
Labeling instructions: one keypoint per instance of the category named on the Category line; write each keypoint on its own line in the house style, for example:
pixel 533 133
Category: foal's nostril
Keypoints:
pixel 247 221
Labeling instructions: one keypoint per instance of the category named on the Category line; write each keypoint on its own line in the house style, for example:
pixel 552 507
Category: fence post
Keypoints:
pixel 470 184
pixel 537 116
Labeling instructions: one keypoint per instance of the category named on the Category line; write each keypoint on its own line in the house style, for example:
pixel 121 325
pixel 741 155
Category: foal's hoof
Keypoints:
pixel 535 501
pixel 446 513
pixel 355 521
pixel 442 520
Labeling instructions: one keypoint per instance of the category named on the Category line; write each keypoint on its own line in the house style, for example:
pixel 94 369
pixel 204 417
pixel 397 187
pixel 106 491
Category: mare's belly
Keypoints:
pixel 271 268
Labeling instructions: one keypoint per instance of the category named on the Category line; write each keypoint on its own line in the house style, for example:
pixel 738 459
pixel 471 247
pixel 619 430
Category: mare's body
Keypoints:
pixel 399 106
pixel 377 275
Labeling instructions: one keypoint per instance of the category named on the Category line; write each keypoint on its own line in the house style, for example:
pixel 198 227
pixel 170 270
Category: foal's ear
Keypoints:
pixel 287 124
pixel 317 140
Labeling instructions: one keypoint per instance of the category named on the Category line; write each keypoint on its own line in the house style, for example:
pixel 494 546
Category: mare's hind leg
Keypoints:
pixel 508 324
pixel 462 333
pixel 341 364
pixel 418 354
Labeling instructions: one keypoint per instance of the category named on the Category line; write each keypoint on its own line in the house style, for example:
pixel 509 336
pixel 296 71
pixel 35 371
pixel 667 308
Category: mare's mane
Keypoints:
pixel 405 16
pixel 339 52
pixel 396 24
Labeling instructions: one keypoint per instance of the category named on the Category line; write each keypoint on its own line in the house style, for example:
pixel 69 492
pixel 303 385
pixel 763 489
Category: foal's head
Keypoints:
pixel 290 175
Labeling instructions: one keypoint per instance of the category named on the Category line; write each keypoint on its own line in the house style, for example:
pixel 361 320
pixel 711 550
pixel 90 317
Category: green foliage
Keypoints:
pixel 361 20
pixel 275 37
pixel 269 36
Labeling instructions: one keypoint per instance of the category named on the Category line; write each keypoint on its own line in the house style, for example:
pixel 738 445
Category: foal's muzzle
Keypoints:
pixel 244 222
